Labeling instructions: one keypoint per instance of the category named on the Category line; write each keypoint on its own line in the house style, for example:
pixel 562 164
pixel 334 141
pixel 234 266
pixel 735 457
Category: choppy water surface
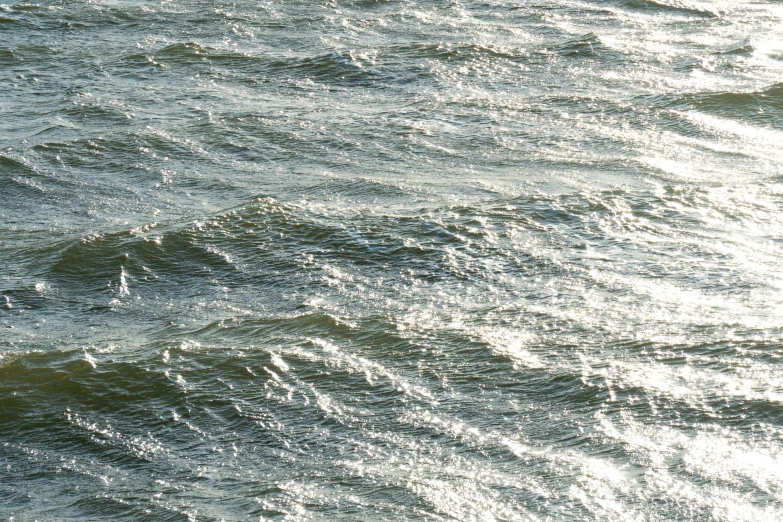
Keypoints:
pixel 391 260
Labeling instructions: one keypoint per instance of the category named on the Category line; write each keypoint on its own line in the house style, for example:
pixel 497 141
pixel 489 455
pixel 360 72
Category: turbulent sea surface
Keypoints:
pixel 364 260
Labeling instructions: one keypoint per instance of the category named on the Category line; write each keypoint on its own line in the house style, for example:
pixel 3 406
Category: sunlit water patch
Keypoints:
pixel 399 260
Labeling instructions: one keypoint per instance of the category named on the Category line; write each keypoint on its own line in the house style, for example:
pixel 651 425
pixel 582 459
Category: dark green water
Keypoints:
pixel 391 260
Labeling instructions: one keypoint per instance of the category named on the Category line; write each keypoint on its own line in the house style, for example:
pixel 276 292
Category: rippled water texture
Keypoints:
pixel 391 260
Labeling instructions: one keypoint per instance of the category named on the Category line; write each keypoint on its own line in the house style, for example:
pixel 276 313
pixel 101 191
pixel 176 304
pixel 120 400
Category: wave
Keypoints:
pixel 761 107
pixel 769 98
pixel 15 166
pixel 453 52
pixel 675 7
pixel 588 45
pixel 740 49
pixel 331 68
pixel 7 56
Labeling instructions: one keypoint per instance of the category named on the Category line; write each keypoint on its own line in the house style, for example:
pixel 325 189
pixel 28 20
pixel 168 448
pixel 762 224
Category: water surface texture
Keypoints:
pixel 359 260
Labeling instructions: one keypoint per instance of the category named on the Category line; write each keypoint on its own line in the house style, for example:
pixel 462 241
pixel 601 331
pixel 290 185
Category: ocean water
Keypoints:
pixel 358 260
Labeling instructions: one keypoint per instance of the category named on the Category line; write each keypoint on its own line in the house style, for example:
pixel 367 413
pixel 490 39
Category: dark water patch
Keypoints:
pixel 450 52
pixel 276 329
pixel 185 52
pixel 26 7
pixel 51 146
pixel 584 104
pixel 698 407
pixel 371 340
pixel 92 411
pixel 8 57
pixel 12 165
pixel 91 262
pixel 101 506
pixel 20 16
pixel 269 228
pixel 735 412
pixel 386 192
pixel 765 106
pixel 560 389
pixel 585 46
pixel 20 190
pixel 138 61
pixel 104 16
pixel 109 155
pixel 331 69
pixel 769 98
pixel 192 53
pixel 716 354
pixel 13 500
pixel 98 112
pixel 56 378
pixel 100 427
pixel 251 143
pixel 7 22
pixel 27 298
pixel 159 141
pixel 544 213
pixel 655 7
pixel 36 53
pixel 740 49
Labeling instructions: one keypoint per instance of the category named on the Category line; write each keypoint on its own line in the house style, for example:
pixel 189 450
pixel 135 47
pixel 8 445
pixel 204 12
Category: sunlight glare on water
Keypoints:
pixel 391 260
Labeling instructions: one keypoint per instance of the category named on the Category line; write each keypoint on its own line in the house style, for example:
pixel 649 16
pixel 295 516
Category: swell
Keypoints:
pixel 282 246
pixel 247 397
pixel 763 107
pixel 13 165
pixel 76 17
pixel 453 52
pixel 110 425
pixel 586 46
pixel 677 7
pixel 332 68
pixel 264 235
pixel 7 55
